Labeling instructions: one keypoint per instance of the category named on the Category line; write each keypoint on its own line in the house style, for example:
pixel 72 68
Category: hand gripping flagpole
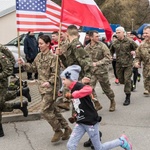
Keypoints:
pixel 56 69
pixel 20 75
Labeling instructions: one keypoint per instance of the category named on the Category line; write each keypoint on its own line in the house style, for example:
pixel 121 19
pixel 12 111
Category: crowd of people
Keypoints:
pixel 71 70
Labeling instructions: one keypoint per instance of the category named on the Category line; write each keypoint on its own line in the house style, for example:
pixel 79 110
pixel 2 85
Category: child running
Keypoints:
pixel 87 119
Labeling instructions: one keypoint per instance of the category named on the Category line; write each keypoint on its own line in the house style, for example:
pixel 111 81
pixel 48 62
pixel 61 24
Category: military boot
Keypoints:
pixel 89 143
pixel 98 106
pixel 112 105
pixel 127 100
pixel 25 93
pixel 64 105
pixel 57 136
pixel 67 133
pixel 23 109
pixel 1 131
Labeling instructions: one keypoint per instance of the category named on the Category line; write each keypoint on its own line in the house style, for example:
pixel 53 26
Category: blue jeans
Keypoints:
pixel 93 132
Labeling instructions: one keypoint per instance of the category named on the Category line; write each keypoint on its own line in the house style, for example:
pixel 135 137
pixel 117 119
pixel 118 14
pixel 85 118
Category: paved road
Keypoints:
pixel 133 120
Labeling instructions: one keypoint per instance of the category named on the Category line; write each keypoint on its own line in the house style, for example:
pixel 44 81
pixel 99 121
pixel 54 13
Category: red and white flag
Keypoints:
pixel 85 13
pixel 38 15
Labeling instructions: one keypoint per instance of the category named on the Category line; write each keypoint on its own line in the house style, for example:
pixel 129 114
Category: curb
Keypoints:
pixel 20 117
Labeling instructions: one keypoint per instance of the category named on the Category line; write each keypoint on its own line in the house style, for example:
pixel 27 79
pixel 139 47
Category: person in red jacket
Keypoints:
pixel 54 42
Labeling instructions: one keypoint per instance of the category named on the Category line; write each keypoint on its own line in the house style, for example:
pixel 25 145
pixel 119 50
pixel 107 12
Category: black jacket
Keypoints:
pixel 30 47
pixel 88 114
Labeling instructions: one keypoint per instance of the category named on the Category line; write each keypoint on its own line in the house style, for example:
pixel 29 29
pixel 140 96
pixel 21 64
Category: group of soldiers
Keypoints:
pixel 94 60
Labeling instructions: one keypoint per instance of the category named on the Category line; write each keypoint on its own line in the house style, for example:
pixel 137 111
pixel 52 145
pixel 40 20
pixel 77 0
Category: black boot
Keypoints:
pixel 1 131
pixel 23 109
pixel 25 93
pixel 100 135
pixel 127 100
pixel 89 143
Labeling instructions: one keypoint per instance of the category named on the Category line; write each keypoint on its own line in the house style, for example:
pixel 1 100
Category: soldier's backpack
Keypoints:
pixel 8 54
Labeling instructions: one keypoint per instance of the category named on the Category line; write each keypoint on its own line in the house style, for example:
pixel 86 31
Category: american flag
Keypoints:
pixel 38 15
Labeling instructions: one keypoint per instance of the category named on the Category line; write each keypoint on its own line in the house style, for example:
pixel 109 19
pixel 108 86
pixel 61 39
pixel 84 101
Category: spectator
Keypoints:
pixel 134 36
pixel 54 43
pixel 87 38
pixel 30 50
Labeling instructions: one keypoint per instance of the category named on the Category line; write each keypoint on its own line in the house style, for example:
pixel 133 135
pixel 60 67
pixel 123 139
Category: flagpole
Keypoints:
pixel 20 74
pixel 56 71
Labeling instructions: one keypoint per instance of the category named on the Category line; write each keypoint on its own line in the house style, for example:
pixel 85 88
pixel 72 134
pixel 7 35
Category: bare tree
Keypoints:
pixel 130 14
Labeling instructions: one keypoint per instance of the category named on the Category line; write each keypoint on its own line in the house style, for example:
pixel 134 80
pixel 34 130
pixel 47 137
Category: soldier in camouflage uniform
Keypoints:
pixel 143 55
pixel 63 102
pixel 76 55
pixel 13 90
pixel 45 65
pixel 6 69
pixel 125 49
pixel 101 58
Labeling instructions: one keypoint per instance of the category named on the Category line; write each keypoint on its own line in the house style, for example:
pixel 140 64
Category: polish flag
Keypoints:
pixel 85 13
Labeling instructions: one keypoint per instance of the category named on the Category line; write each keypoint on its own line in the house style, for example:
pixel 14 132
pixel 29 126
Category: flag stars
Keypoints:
pixel 31 5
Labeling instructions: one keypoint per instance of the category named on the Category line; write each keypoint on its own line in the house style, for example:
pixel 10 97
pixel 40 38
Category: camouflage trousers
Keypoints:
pixel 124 75
pixel 146 81
pixel 51 112
pixel 5 96
pixel 103 80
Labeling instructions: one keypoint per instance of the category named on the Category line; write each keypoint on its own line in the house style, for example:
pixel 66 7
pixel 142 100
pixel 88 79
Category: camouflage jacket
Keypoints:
pixel 45 65
pixel 123 50
pixel 100 54
pixel 64 45
pixel 143 55
pixel 76 55
pixel 7 53
pixel 6 69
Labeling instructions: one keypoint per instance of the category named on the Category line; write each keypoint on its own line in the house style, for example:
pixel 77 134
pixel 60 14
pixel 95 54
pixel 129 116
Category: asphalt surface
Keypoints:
pixel 132 120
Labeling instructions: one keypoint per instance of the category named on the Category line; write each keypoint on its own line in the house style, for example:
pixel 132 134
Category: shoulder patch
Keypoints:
pixel 78 46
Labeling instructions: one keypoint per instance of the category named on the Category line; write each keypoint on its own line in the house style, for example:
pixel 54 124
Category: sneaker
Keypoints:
pixel 126 144
pixel 117 81
pixel 133 87
pixel 139 77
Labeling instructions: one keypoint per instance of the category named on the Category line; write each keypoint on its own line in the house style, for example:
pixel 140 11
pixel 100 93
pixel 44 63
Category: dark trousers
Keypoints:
pixel 29 74
pixel 135 75
pixel 114 68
